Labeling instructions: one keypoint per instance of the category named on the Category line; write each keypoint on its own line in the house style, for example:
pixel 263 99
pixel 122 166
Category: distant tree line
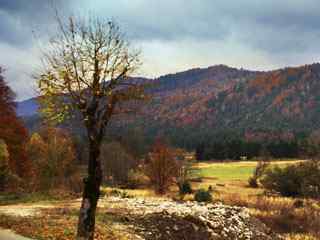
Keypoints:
pixel 223 145
pixel 209 144
pixel 237 149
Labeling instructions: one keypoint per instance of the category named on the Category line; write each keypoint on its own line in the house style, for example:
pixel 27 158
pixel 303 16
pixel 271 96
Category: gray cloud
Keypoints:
pixel 248 33
pixel 270 22
pixel 24 20
pixel 11 30
pixel 165 20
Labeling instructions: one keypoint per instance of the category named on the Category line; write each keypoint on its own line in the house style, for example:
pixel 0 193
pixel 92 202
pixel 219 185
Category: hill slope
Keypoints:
pixel 216 98
pixel 28 107
pixel 282 99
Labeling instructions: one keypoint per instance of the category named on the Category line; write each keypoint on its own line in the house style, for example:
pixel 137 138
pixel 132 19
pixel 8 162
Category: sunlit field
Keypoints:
pixel 230 185
pixel 232 170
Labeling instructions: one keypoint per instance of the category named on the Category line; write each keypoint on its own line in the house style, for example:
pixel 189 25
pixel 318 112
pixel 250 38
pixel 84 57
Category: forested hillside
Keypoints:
pixel 218 102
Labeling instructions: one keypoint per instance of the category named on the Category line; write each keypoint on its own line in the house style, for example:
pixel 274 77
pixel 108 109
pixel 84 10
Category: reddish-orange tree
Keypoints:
pixel 86 69
pixel 162 167
pixel 12 131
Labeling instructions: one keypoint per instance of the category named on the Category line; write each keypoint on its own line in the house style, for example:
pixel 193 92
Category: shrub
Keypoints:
pixel 118 193
pixel 125 194
pixel 136 179
pixel 185 188
pixel 298 203
pixel 115 192
pixel 202 195
pixel 253 182
pixel 260 169
pixel 294 180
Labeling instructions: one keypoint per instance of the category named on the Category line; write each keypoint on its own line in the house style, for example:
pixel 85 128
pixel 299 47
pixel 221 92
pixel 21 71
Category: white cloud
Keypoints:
pixel 19 65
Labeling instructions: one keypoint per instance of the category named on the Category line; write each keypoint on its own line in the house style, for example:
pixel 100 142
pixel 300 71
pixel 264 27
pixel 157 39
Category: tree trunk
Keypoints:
pixel 91 193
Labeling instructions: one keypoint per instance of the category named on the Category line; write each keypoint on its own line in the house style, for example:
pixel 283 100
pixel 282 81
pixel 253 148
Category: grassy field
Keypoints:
pixel 232 170
pixel 230 184
pixel 231 177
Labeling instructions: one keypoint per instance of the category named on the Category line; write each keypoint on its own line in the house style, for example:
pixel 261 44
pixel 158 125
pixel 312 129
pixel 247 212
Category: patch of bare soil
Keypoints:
pixel 9 235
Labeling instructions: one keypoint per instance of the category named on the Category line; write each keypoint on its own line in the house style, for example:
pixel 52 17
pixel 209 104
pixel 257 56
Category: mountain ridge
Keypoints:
pixel 29 106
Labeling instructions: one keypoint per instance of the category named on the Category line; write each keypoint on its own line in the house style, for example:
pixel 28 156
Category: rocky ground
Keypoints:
pixel 161 219
pixel 169 220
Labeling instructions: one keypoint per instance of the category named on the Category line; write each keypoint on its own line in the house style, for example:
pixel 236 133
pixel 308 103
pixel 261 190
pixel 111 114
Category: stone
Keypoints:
pixel 193 220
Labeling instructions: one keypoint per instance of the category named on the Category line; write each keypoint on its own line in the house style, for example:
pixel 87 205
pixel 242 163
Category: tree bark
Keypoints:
pixel 91 193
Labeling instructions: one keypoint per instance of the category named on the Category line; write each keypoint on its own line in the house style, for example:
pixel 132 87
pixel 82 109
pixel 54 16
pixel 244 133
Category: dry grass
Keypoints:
pixel 143 193
pixel 299 237
pixel 280 214
pixel 242 163
pixel 53 225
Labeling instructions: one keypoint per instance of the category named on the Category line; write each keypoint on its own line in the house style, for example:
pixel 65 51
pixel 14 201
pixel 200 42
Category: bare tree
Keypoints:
pixel 86 69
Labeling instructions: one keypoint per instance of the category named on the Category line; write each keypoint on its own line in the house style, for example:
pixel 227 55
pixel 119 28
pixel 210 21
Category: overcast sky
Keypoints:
pixel 174 35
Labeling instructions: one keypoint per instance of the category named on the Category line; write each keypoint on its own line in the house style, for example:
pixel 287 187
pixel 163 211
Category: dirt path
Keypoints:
pixel 160 219
pixel 9 235
pixel 33 209
pixel 28 210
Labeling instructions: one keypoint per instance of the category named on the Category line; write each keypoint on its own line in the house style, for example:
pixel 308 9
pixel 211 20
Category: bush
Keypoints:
pixel 298 203
pixel 136 179
pixel 115 193
pixel 253 182
pixel 259 171
pixel 125 194
pixel 118 193
pixel 185 188
pixel 295 180
pixel 202 195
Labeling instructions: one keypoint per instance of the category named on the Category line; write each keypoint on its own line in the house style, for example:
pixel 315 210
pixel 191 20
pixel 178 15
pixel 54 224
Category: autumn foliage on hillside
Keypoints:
pixel 221 96
pixel 181 99
pixel 12 131
pixel 285 99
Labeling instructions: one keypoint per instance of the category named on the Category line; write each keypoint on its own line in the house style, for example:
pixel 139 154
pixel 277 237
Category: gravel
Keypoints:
pixel 170 220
